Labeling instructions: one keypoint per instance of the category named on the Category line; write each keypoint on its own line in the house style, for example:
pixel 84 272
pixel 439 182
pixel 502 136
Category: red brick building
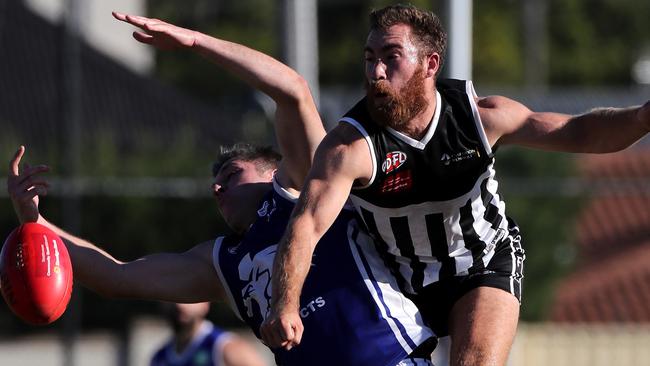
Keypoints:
pixel 611 282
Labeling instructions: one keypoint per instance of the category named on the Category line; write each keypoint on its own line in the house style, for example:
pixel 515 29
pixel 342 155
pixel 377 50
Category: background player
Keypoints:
pixel 197 342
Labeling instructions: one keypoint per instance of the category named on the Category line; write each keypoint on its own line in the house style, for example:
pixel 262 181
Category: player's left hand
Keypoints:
pixel 24 187
pixel 158 33
pixel 282 329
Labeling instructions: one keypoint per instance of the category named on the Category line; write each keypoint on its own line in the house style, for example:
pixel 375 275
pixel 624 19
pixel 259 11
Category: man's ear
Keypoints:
pixel 433 64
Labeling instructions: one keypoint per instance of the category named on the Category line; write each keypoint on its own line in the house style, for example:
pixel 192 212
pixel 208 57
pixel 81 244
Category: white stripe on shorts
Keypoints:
pixel 415 362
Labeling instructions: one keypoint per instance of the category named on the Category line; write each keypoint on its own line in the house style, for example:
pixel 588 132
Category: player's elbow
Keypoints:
pixel 296 91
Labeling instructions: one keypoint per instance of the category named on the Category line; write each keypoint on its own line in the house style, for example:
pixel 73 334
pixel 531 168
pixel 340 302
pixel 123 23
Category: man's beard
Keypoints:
pixel 397 108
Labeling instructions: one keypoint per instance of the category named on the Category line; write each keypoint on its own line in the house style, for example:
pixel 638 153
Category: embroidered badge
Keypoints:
pixel 394 160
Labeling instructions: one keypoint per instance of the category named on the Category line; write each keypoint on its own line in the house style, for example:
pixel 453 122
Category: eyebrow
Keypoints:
pixel 385 48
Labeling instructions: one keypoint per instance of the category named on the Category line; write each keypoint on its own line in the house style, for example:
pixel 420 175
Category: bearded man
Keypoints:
pixel 416 157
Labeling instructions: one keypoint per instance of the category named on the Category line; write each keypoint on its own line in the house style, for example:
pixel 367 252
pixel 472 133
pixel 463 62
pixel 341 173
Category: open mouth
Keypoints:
pixel 381 96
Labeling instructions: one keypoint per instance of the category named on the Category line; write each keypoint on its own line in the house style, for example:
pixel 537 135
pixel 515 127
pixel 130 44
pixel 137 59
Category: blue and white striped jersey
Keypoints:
pixel 351 308
pixel 204 349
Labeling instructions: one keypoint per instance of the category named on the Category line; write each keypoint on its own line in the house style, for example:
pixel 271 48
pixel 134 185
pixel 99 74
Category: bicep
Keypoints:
pixel 174 277
pixel 508 122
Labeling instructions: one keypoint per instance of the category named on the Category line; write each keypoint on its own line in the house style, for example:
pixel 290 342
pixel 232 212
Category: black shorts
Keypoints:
pixel 504 271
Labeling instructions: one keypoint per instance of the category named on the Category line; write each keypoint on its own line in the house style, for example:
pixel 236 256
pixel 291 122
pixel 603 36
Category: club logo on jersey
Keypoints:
pixel 267 209
pixel 256 272
pixel 394 160
pixel 447 159
pixel 234 248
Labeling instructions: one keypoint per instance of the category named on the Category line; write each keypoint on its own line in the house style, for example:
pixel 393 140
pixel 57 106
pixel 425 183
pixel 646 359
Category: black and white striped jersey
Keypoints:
pixel 432 205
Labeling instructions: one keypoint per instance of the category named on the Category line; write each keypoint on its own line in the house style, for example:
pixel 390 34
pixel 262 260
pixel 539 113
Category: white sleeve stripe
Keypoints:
pixel 215 262
pixel 471 93
pixel 283 192
pixel 371 148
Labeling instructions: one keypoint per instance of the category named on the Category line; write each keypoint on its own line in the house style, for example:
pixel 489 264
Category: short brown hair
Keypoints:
pixel 264 157
pixel 429 34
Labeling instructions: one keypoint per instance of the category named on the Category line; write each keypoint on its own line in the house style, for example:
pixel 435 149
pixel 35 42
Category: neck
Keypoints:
pixel 248 211
pixel 184 336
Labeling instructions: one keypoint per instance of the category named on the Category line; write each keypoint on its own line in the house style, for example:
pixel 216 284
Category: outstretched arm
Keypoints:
pixel 601 130
pixel 184 277
pixel 339 161
pixel 297 124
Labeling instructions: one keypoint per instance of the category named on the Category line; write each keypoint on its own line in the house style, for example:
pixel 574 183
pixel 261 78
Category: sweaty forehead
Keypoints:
pixel 396 36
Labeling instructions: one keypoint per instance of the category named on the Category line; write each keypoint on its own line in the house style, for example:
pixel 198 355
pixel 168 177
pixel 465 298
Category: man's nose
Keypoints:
pixel 377 70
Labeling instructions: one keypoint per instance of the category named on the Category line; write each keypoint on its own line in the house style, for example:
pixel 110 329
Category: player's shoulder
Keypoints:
pixel 501 115
pixel 346 132
pixel 495 101
pixel 495 108
pixel 342 140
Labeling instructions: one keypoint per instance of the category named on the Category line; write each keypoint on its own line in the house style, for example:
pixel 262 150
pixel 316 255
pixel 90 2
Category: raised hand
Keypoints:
pixel 157 33
pixel 25 187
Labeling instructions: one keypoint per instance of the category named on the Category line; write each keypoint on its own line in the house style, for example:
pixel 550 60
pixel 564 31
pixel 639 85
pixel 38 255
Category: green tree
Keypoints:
pixel 596 42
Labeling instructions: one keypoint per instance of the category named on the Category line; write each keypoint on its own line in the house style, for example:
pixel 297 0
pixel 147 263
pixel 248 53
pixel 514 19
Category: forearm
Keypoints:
pixel 607 130
pixel 92 267
pixel 292 263
pixel 316 210
pixel 76 242
pixel 174 277
pixel 297 124
pixel 259 70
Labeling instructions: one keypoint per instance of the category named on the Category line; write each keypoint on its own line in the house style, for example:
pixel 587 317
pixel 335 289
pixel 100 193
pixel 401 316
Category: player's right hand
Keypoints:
pixel 25 187
pixel 282 330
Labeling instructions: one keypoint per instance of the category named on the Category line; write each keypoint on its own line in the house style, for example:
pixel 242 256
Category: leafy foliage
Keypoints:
pixel 596 42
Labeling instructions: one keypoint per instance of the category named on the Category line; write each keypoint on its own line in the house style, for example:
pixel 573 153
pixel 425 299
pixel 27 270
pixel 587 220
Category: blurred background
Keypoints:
pixel 130 134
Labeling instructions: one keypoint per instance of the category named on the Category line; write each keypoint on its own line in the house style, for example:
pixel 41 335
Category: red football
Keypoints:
pixel 35 274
